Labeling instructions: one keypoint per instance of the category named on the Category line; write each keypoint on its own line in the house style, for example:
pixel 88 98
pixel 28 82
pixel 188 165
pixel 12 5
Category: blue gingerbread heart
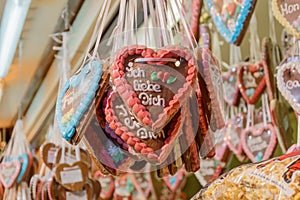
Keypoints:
pixel 231 17
pixel 75 98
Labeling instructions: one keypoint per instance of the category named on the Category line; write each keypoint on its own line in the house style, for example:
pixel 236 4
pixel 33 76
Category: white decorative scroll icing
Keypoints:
pixel 132 124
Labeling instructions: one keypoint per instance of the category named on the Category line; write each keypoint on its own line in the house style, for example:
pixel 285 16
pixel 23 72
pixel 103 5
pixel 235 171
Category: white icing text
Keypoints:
pixel 288 9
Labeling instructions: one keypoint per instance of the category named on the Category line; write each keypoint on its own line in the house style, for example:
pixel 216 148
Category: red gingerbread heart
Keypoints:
pixel 252 81
pixel 259 142
pixel 137 73
pixel 107 184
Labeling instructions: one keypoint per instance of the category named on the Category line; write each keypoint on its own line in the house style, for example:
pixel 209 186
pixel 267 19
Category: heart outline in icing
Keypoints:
pixel 105 195
pixel 258 131
pixel 282 84
pixel 284 21
pixel 68 122
pixel 9 181
pixel 130 96
pixel 230 80
pixel 179 178
pixel 259 88
pixel 232 123
pixel 242 22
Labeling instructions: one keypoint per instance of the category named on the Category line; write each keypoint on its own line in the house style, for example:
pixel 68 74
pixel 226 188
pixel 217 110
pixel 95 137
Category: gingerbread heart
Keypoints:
pixel 213 80
pixel 143 183
pixel 192 10
pixel 209 170
pixel 288 14
pixel 154 85
pixel 174 182
pixel 9 172
pixel 75 98
pixel 259 142
pixel 288 82
pixel 231 17
pixel 252 81
pixel 107 184
pixel 232 134
pixel 125 125
pixel 48 153
pixel 231 87
pixel 72 177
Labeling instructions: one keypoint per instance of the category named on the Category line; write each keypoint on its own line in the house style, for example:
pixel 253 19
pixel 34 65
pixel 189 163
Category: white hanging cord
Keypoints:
pixel 255 54
pixel 235 55
pixel 250 116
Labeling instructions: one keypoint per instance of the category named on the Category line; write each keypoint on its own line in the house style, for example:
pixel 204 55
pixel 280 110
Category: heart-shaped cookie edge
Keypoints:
pixel 282 20
pixel 271 146
pixel 244 18
pixel 120 82
pixel 68 130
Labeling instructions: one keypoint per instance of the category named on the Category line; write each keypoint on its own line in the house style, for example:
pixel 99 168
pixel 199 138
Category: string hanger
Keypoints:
pixel 255 53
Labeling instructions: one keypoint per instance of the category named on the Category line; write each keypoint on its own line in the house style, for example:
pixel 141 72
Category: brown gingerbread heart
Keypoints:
pixel 154 85
pixel 71 158
pixel 72 177
pixel 48 154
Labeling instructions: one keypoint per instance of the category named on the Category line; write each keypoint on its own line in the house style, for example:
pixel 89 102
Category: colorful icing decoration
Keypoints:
pixel 130 131
pixel 231 17
pixel 231 87
pixel 153 103
pixel 288 81
pixel 259 142
pixel 107 184
pixel 252 81
pixel 288 14
pixel 174 182
pixel 24 160
pixel 75 98
pixel 9 172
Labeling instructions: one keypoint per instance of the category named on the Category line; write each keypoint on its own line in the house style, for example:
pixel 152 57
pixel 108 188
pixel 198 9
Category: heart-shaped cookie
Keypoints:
pixel 213 80
pixel 209 170
pixel 48 153
pixel 107 184
pixel 288 82
pixel 143 184
pixel 174 182
pixel 192 10
pixel 288 14
pixel 72 177
pixel 9 172
pixel 259 142
pixel 154 85
pixel 130 130
pixel 230 86
pixel 231 17
pixel 252 81
pixel 232 134
pixel 75 98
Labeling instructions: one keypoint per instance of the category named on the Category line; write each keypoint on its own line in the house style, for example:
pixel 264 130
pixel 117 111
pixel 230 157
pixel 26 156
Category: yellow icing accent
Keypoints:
pixel 67 117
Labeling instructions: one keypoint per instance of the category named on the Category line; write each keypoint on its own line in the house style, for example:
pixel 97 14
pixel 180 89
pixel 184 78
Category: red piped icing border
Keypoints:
pixel 130 97
pixel 207 57
pixel 135 142
pixel 261 86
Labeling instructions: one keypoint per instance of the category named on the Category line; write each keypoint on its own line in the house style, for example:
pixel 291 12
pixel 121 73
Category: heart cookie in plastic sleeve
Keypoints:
pixel 231 17
pixel 154 84
pixel 277 178
pixel 288 14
